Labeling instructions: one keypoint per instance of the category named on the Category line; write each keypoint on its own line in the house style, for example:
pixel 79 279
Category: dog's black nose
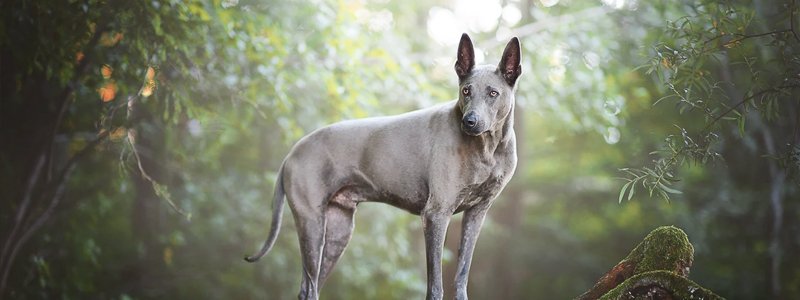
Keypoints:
pixel 470 120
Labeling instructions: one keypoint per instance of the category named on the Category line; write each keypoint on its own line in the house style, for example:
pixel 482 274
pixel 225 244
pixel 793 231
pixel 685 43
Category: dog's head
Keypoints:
pixel 486 93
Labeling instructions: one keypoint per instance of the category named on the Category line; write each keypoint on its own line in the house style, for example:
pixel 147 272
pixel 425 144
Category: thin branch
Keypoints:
pixel 747 36
pixel 132 137
pixel 58 192
pixel 23 208
pixel 791 20
pixel 40 220
pixel 712 39
pixel 742 37
pixel 66 94
pixel 732 108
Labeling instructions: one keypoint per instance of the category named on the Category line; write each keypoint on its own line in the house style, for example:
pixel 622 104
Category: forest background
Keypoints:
pixel 139 141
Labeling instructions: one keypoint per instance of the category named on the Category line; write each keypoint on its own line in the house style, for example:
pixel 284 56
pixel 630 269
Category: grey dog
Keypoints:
pixel 434 162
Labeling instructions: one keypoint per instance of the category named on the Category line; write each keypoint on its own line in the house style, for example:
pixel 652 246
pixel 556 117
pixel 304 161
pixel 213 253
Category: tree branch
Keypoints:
pixel 158 188
pixel 732 108
pixel 742 37
pixel 40 220
pixel 791 20
pixel 66 94
pixel 23 208
pixel 57 194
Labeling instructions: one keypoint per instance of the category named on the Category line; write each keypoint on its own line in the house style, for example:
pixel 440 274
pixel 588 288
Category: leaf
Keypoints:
pixel 668 189
pixel 163 192
pixel 149 82
pixel 622 192
pixel 663 195
pixel 108 91
pixel 741 126
pixel 156 22
pixel 106 71
pixel 633 189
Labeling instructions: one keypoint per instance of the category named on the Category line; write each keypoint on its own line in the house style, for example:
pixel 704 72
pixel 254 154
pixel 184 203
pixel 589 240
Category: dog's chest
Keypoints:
pixel 476 193
pixel 486 186
pixel 487 178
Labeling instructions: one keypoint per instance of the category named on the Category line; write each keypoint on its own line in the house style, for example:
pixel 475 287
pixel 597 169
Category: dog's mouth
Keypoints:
pixel 471 131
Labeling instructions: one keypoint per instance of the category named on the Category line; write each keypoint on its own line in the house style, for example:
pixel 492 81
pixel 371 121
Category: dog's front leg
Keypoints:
pixel 471 227
pixel 434 224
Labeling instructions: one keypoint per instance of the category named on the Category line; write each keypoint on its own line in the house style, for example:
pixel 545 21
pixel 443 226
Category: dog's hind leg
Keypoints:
pixel 311 231
pixel 307 197
pixel 339 224
pixel 309 215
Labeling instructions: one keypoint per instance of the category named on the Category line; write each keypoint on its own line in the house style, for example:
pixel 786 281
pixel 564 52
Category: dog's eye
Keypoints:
pixel 465 91
pixel 493 94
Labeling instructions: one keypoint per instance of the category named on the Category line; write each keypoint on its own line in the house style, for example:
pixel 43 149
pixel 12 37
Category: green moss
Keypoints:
pixel 665 248
pixel 655 269
pixel 678 286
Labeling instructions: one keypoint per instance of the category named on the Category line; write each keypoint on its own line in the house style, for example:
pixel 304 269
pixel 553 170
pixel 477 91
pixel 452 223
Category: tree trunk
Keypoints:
pixel 777 176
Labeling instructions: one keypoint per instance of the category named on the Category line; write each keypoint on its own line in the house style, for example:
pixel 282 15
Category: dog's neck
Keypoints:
pixel 507 128
pixel 501 137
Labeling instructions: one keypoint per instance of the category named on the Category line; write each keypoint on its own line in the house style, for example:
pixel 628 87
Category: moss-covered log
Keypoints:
pixel 662 285
pixel 655 269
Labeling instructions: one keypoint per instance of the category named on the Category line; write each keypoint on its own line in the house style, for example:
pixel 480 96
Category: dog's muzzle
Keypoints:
pixel 470 124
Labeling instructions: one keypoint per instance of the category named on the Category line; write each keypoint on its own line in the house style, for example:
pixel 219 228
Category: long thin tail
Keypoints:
pixel 277 216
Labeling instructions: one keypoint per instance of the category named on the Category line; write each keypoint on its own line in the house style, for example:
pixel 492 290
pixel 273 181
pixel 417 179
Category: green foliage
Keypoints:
pixel 146 109
pixel 721 62
pixel 658 178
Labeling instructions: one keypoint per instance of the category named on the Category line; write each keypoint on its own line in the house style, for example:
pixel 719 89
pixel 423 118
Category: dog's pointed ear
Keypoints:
pixel 509 66
pixel 465 58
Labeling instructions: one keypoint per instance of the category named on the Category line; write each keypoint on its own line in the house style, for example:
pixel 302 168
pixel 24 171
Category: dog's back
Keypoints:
pixel 375 159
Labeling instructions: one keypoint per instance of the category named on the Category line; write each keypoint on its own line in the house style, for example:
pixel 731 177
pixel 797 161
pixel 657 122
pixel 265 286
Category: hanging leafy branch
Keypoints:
pixel 712 54
pixel 658 178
